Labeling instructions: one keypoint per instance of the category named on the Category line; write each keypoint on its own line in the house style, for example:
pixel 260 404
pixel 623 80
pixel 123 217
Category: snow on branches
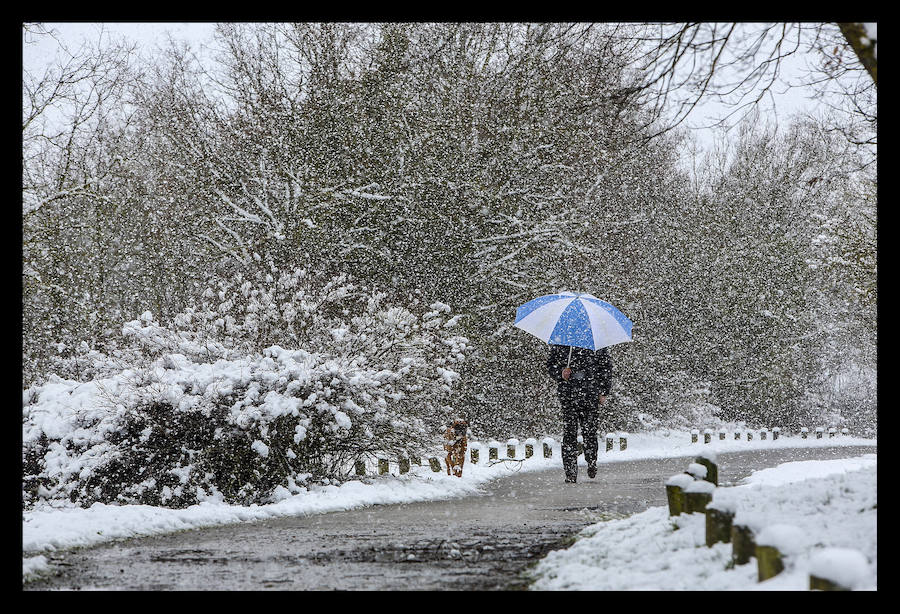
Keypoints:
pixel 270 381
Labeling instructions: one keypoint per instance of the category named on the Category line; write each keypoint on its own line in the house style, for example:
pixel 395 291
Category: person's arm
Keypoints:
pixel 554 363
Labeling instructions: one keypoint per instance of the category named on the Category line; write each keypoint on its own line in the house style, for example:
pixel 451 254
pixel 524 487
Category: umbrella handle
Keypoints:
pixel 569 362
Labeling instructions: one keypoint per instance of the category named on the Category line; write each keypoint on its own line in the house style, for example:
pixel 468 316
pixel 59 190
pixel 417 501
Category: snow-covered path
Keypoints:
pixel 480 542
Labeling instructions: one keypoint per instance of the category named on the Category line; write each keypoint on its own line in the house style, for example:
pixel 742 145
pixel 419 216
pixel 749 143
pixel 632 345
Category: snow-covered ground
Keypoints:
pixel 820 514
pixel 59 526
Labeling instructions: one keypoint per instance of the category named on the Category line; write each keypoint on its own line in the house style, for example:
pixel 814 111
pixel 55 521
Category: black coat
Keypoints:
pixel 591 371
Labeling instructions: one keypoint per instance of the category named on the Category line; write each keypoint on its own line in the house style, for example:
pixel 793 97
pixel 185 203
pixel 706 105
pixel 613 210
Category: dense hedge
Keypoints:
pixel 194 411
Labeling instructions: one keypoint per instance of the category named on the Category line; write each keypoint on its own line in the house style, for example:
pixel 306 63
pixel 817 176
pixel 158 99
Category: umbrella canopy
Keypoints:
pixel 574 319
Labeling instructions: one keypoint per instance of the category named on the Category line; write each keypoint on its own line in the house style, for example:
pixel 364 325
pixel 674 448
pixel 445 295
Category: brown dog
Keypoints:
pixel 456 443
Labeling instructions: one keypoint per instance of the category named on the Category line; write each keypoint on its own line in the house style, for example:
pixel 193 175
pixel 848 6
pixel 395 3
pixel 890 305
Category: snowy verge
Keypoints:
pixel 825 508
pixel 49 528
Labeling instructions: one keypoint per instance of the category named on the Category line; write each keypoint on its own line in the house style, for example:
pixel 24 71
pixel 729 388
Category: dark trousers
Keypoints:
pixel 580 412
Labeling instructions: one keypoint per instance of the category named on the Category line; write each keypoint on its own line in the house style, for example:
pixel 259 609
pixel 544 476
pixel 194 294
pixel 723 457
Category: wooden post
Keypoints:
pixel 610 438
pixel 775 433
pixel 707 436
pixel 819 431
pixel 718 525
pixel 382 466
pixel 548 447
pixel 675 486
pixel 697 496
pixel 838 569
pixel 694 435
pixel 737 435
pixel 768 562
pixel 722 434
pixel 821 584
pixel 696 501
pixel 473 454
pixel 623 441
pixel 435 464
pixel 675 496
pixel 360 467
pixel 529 447
pixel 404 465
pixel 743 544
pixel 494 450
pixel 762 434
pixel 696 470
pixel 511 446
pixel 804 432
pixel 749 435
pixel 712 470
pixel 845 432
pixel 831 432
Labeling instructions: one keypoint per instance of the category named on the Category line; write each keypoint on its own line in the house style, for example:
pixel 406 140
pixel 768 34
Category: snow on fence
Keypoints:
pixel 475 448
pixel 833 569
pixel 512 446
pixel 764 433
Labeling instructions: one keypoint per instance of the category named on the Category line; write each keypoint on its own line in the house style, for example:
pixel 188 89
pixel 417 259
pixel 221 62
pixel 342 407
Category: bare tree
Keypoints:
pixel 66 113
pixel 74 122
pixel 740 64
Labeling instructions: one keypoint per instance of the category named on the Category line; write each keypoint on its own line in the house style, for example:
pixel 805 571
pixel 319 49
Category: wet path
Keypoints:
pixel 474 543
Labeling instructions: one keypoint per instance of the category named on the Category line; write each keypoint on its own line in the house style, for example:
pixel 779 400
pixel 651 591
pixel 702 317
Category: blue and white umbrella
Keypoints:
pixel 574 319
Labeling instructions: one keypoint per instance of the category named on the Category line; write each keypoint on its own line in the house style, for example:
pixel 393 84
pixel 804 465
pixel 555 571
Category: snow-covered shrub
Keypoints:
pixel 268 383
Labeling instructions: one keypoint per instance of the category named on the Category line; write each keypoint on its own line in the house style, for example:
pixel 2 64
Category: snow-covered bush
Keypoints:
pixel 268 383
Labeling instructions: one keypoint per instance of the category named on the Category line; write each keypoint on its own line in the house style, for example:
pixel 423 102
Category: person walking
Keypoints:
pixel 583 381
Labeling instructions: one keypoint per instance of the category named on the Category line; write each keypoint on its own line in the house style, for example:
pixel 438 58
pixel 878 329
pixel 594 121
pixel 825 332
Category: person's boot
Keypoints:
pixel 570 480
pixel 592 470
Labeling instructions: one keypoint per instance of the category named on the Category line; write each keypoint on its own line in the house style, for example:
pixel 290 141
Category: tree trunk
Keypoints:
pixel 863 47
